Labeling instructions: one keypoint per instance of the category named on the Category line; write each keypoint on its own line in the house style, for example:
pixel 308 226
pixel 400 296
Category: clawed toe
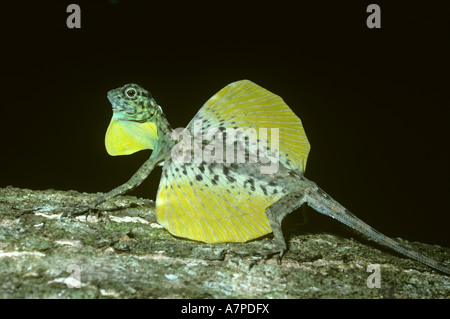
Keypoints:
pixel 274 251
pixel 75 211
pixel 267 252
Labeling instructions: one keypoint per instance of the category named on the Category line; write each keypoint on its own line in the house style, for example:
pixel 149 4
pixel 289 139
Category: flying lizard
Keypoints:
pixel 232 174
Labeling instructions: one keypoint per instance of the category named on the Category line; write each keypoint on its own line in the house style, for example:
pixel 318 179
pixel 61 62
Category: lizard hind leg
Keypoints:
pixel 275 214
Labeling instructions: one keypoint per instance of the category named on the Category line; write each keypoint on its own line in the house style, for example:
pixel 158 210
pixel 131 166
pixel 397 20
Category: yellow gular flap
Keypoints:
pixel 126 137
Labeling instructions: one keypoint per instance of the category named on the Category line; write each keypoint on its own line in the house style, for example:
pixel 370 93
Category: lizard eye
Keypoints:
pixel 131 93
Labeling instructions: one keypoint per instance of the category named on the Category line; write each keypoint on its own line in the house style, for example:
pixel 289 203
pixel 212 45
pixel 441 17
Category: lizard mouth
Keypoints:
pixel 118 104
pixel 113 100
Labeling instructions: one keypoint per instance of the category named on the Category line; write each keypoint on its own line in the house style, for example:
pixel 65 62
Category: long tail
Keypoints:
pixel 323 203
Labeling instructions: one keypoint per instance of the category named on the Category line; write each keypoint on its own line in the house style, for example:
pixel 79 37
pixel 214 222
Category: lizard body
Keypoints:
pixel 226 201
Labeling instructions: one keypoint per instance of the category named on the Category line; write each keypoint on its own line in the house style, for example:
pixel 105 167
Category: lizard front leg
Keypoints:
pixel 142 173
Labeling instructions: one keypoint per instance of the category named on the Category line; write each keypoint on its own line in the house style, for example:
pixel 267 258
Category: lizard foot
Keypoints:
pixel 268 250
pixel 76 211
pixel 274 250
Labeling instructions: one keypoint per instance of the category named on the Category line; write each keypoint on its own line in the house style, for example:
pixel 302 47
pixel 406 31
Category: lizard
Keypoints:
pixel 237 200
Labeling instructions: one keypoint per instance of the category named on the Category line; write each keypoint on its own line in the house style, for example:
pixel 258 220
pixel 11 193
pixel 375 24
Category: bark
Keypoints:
pixel 124 253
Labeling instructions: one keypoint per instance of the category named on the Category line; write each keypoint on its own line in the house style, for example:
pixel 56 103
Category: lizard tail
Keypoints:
pixel 325 204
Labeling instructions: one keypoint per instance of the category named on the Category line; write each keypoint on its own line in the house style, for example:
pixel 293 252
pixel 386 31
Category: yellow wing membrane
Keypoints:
pixel 212 207
pixel 226 202
pixel 245 104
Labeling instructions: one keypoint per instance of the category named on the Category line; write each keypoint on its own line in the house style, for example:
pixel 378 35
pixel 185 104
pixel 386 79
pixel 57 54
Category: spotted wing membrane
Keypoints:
pixel 226 202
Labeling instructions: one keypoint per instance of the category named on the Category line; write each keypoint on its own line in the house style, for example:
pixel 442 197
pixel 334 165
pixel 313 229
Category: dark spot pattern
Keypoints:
pixel 263 189
pixel 250 181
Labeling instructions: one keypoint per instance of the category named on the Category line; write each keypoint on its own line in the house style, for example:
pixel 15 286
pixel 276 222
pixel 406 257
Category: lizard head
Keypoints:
pixel 133 126
pixel 132 102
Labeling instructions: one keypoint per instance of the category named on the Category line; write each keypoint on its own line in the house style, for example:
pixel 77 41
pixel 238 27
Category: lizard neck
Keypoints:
pixel 165 130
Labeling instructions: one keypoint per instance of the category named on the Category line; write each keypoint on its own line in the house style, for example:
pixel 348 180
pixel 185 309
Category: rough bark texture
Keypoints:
pixel 126 254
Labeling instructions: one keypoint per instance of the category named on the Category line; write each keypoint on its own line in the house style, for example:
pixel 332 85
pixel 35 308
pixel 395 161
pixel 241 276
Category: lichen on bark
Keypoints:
pixel 124 253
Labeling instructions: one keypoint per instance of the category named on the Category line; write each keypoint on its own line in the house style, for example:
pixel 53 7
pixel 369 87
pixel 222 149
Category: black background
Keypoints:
pixel 374 102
